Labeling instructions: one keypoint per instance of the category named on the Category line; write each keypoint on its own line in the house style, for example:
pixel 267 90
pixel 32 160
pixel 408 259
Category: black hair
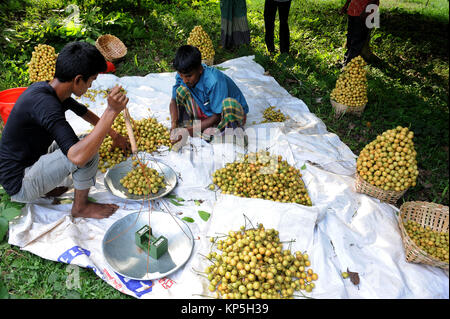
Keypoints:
pixel 187 58
pixel 79 58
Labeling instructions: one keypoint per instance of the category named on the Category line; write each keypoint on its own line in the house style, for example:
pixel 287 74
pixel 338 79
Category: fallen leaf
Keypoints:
pixel 204 215
pixel 354 277
pixel 188 219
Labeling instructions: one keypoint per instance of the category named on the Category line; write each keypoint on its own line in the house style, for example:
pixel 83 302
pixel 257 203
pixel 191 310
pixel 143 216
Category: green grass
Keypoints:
pixel 408 85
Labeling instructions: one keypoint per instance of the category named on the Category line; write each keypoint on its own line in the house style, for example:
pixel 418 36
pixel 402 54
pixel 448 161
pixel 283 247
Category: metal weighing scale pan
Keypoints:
pixel 115 174
pixel 126 258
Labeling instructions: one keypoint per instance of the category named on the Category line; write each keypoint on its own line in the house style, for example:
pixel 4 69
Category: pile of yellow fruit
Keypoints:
pixel 389 162
pixel 432 242
pixel 200 39
pixel 42 64
pixel 142 180
pixel 351 86
pixel 262 175
pixel 149 135
pixel 251 263
pixel 270 114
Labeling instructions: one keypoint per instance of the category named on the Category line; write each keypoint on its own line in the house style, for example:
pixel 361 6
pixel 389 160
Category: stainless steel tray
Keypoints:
pixel 126 258
pixel 115 174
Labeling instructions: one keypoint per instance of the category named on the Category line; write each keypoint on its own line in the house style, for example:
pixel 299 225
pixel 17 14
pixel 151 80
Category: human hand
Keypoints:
pixel 175 137
pixel 120 142
pixel 117 100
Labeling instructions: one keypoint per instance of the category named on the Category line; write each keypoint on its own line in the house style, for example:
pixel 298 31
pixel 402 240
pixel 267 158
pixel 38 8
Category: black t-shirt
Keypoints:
pixel 36 120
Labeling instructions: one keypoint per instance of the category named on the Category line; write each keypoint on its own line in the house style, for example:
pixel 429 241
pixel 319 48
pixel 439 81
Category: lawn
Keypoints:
pixel 408 86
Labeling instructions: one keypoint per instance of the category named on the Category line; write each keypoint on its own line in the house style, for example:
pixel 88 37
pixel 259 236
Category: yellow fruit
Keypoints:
pixel 42 64
pixel 262 175
pixel 200 39
pixel 389 162
pixel 149 135
pixel 351 86
pixel 272 115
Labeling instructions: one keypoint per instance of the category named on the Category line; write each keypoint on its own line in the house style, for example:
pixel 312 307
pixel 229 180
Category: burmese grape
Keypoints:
pixel 432 242
pixel 271 114
pixel 263 175
pixel 351 86
pixel 149 135
pixel 389 162
pixel 200 39
pixel 42 64
pixel 251 263
pixel 142 180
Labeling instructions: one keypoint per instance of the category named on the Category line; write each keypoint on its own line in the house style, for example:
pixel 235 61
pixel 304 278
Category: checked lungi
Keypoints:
pixel 232 115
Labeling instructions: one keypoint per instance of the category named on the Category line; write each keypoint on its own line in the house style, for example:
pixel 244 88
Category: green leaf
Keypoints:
pixel 3 291
pixel 175 203
pixel 11 213
pixel 91 199
pixel 3 227
pixel 204 215
pixel 188 219
pixel 221 68
pixel 175 197
pixel 303 167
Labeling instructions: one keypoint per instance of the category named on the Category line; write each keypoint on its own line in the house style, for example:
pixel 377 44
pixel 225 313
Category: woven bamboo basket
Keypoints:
pixel 426 214
pixel 364 187
pixel 111 47
pixel 340 109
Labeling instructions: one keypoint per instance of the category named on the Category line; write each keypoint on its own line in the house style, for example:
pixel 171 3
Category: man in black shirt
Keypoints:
pixel 27 170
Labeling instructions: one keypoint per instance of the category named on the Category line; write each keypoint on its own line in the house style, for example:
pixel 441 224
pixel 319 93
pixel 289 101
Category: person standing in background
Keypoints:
pixel 270 11
pixel 234 24
pixel 358 34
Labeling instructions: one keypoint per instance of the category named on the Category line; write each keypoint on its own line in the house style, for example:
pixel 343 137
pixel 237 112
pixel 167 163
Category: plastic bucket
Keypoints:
pixel 7 100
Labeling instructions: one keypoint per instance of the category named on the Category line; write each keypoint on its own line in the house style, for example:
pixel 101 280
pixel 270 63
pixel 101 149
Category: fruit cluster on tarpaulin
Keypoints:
pixel 251 263
pixel 142 180
pixel 351 86
pixel 271 114
pixel 42 64
pixel 149 135
pixel 262 175
pixel 434 243
pixel 200 39
pixel 389 162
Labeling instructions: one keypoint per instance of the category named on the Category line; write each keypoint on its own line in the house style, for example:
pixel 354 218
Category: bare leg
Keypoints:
pixel 82 207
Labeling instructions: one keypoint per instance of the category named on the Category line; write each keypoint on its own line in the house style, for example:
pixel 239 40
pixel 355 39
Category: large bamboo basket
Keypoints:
pixel 341 109
pixel 389 196
pixel 426 214
pixel 111 47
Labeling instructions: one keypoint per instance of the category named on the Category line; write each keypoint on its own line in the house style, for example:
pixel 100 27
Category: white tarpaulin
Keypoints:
pixel 342 230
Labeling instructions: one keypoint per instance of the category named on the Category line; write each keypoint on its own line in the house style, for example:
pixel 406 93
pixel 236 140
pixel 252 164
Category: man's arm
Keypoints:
pixel 118 140
pixel 83 151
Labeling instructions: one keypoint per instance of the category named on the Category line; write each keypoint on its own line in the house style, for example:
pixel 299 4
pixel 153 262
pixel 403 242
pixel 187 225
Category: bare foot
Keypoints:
pixel 93 210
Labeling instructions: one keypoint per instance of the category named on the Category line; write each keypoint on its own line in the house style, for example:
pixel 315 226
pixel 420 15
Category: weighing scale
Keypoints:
pixel 134 251
pixel 115 174
pixel 145 245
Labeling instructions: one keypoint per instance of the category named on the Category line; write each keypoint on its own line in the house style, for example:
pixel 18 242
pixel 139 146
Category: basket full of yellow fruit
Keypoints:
pixel 350 93
pixel 424 230
pixel 387 166
pixel 200 39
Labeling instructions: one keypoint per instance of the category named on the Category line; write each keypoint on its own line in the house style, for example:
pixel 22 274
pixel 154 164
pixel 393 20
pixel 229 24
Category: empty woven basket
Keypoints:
pixel 111 47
